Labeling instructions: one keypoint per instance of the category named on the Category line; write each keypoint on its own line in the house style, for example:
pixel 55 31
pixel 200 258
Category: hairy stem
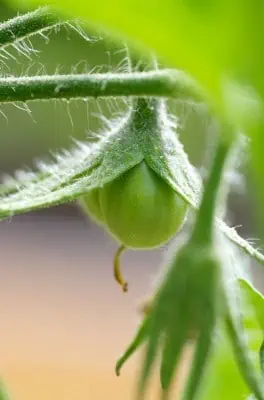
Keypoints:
pixel 205 224
pixel 26 25
pixel 163 83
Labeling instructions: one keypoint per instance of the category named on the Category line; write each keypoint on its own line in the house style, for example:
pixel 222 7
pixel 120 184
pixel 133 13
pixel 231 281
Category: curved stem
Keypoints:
pixel 26 25
pixel 163 83
pixel 117 270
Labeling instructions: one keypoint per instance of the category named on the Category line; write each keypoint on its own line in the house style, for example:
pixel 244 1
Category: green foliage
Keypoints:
pixel 218 42
pixel 257 301
pixel 223 369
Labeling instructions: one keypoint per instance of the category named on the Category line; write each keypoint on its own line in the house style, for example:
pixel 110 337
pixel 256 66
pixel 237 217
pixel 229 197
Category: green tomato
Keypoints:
pixel 138 208
pixel 90 203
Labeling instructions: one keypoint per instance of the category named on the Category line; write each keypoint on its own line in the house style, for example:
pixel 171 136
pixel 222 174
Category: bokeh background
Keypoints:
pixel 64 321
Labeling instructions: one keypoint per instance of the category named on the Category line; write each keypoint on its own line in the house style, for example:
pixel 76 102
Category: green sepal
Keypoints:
pixel 85 168
pixel 138 340
pixel 164 153
pixel 192 286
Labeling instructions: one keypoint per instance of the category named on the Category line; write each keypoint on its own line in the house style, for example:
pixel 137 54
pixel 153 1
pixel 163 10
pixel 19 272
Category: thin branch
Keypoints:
pixel 26 25
pixel 163 83
pixel 204 227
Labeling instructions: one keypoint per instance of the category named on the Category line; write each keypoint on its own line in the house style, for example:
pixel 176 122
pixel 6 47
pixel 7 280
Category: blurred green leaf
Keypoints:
pixel 223 378
pixel 255 298
pixel 3 392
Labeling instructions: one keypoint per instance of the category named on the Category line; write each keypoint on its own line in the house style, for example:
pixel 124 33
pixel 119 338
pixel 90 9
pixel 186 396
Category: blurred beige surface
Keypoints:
pixel 64 321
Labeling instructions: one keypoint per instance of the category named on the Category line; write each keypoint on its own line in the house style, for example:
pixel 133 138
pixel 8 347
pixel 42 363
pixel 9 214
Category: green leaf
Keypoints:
pixel 255 299
pixel 223 368
pixel 223 379
pixel 242 353
pixel 3 392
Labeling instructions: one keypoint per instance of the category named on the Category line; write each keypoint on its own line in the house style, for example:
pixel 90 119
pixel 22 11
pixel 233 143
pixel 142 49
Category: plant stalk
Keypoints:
pixel 163 83
pixel 24 26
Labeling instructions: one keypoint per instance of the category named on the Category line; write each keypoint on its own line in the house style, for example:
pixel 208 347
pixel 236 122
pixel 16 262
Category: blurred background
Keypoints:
pixel 64 320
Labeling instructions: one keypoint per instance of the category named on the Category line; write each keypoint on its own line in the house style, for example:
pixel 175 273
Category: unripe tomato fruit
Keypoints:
pixel 138 208
pixel 91 204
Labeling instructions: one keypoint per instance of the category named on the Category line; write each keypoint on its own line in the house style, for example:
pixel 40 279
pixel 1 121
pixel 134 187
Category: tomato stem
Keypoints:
pixel 117 271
